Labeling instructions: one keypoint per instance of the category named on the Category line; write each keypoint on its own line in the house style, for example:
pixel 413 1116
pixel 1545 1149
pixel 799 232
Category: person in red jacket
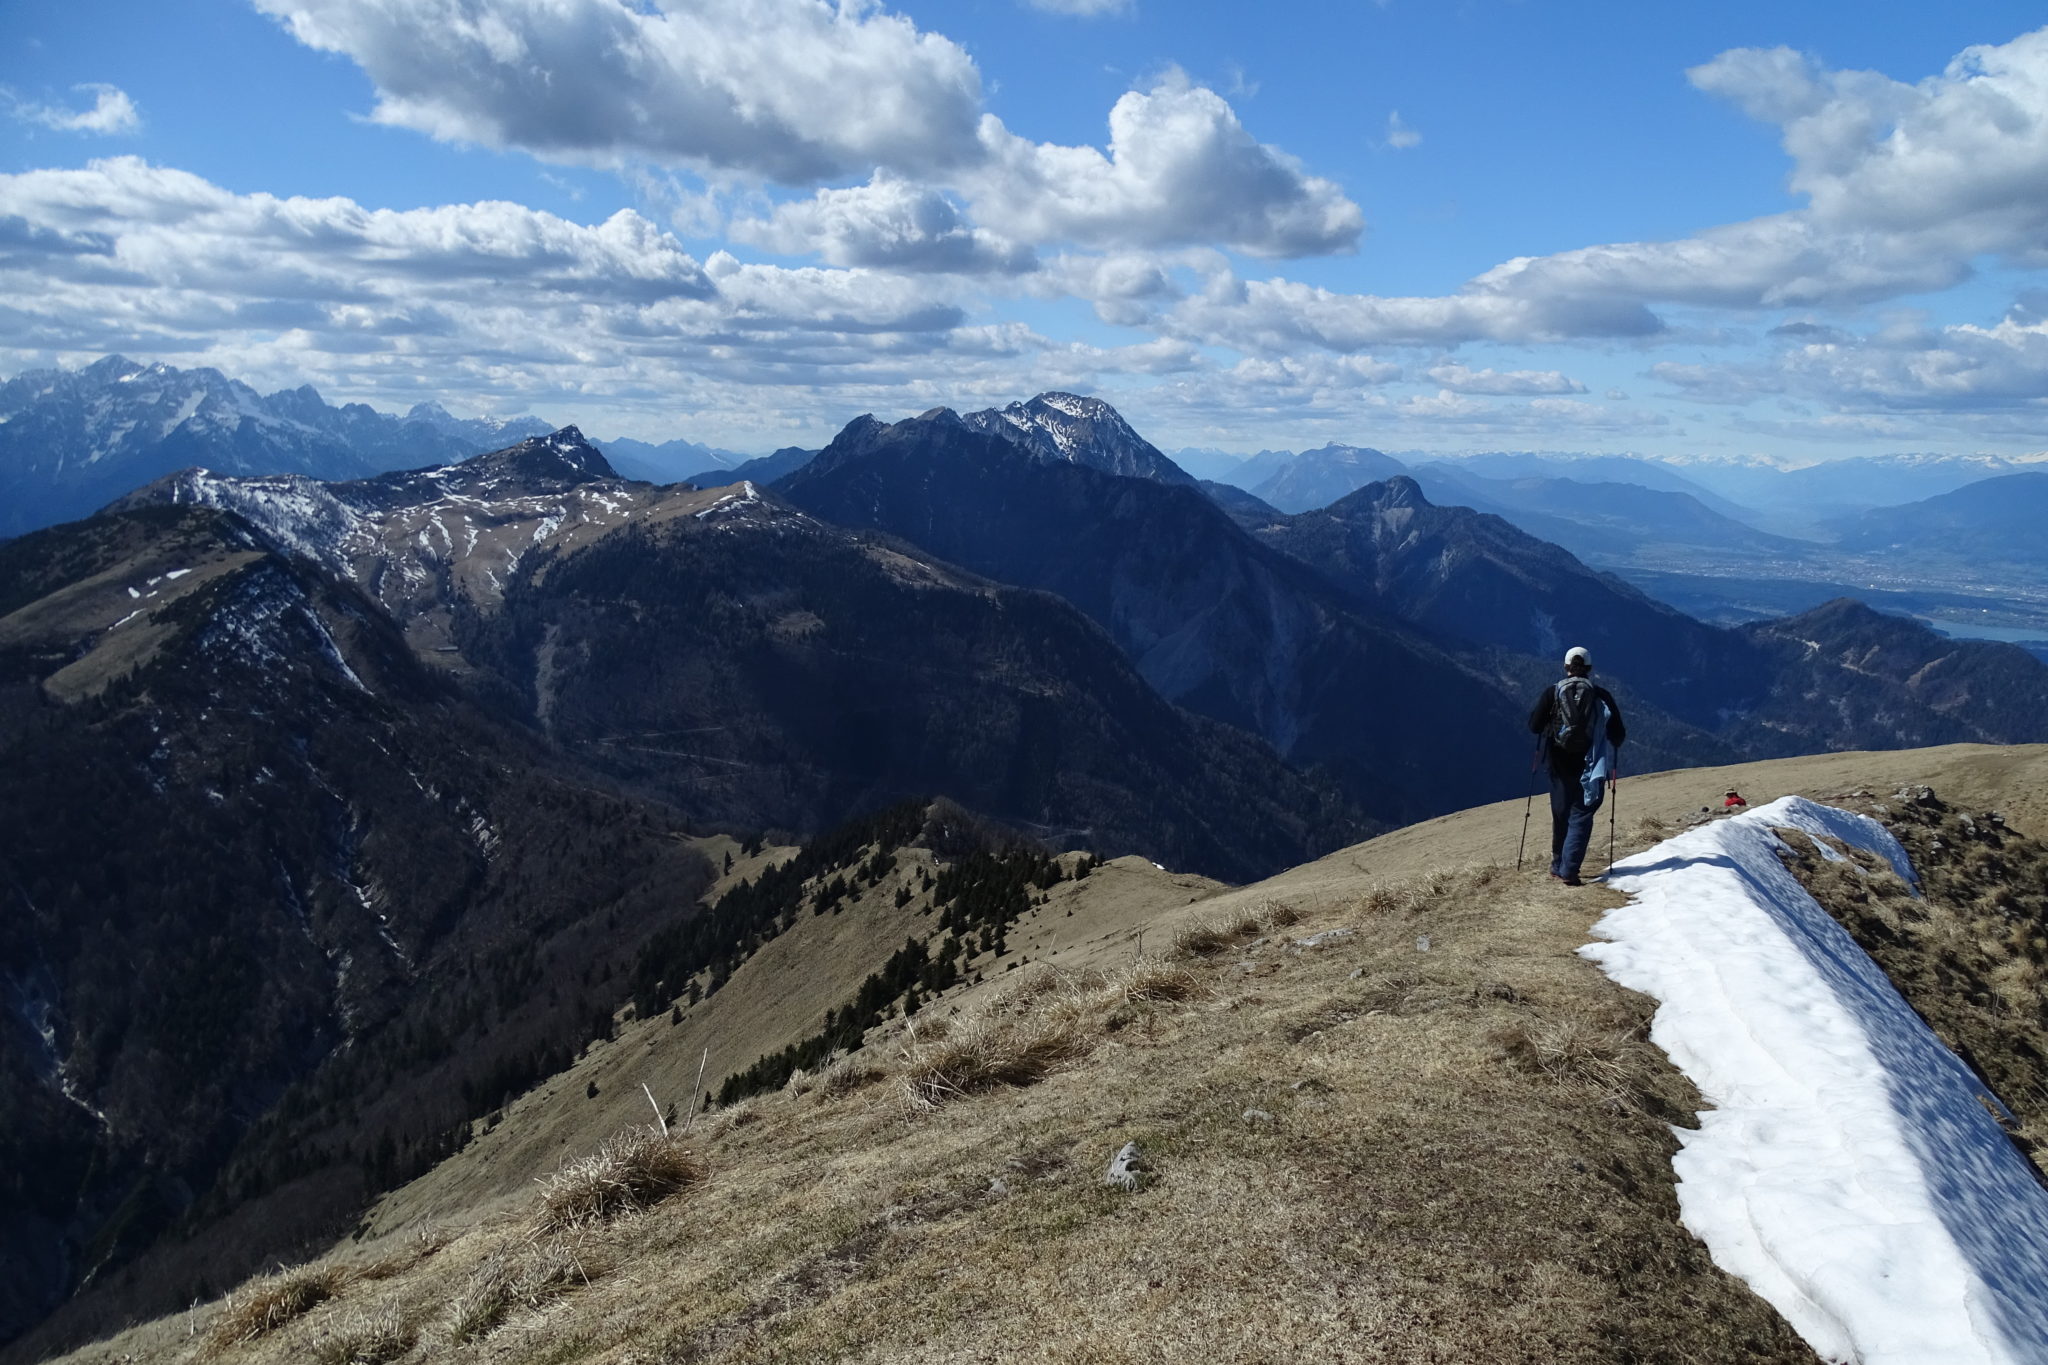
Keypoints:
pixel 1734 801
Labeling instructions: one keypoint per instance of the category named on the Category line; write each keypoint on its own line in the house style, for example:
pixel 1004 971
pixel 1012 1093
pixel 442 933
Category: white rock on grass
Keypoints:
pixel 1125 1167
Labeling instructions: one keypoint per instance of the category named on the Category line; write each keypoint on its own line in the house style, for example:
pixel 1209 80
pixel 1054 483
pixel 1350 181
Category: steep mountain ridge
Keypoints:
pixel 1083 431
pixel 482 565
pixel 308 951
pixel 766 669
pixel 1209 617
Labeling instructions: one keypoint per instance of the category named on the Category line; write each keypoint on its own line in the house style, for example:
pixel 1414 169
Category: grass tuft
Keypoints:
pixel 635 1170
pixel 1208 937
pixel 264 1305
pixel 1575 1050
pixel 365 1338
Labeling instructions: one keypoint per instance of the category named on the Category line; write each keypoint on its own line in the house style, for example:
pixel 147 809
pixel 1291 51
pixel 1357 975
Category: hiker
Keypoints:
pixel 1734 801
pixel 1581 728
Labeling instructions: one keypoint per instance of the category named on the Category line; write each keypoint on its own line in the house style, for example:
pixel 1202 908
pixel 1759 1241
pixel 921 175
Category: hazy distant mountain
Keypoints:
pixel 1640 470
pixel 1212 619
pixel 71 440
pixel 1317 478
pixel 1835 488
pixel 1257 469
pixel 1999 520
pixel 1477 578
pixel 1207 464
pixel 1856 680
pixel 669 462
pixel 1608 522
pixel 763 469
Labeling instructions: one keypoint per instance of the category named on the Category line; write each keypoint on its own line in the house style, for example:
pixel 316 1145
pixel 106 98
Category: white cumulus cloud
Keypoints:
pixel 1181 169
pixel 112 111
pixel 792 90
pixel 888 223
pixel 1461 379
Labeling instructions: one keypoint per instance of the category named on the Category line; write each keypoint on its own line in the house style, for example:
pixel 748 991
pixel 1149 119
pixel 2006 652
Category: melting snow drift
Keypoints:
pixel 1848 1169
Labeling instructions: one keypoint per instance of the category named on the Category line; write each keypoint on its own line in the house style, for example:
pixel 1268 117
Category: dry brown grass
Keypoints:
pixel 986 1053
pixel 1969 955
pixel 360 1337
pixel 1210 936
pixel 1576 1050
pixel 266 1304
pixel 521 1275
pixel 1346 1164
pixel 634 1171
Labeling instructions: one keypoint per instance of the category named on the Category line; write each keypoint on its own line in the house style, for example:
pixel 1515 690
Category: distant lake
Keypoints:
pixel 1971 630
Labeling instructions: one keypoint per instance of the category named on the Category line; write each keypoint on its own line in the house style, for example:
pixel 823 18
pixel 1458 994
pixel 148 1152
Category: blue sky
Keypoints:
pixel 1796 231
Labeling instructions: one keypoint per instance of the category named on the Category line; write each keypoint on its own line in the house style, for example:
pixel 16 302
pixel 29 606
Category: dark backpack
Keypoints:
pixel 1571 729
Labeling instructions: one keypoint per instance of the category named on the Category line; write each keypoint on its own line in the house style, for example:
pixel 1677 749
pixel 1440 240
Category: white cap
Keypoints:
pixel 1578 654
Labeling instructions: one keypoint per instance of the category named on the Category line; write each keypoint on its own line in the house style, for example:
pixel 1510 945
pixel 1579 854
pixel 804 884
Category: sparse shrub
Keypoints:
pixel 988 1053
pixel 266 1304
pixel 634 1171
pixel 1152 979
pixel 365 1338
pixel 1576 1050
pixel 846 1077
pixel 739 1115
pixel 1208 937
pixel 1382 898
pixel 527 1276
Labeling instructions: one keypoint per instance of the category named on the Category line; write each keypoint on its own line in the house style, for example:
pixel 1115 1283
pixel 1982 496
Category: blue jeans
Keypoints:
pixel 1571 823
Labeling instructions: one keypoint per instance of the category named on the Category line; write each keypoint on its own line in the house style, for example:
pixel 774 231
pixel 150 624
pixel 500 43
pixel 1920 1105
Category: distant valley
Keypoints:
pixel 1732 542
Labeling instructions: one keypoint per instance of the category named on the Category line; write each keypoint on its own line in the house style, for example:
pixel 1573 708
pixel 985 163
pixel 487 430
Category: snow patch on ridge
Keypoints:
pixel 1848 1168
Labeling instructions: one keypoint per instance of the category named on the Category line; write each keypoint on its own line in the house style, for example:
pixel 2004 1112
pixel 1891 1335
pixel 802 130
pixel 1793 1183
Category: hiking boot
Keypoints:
pixel 1572 880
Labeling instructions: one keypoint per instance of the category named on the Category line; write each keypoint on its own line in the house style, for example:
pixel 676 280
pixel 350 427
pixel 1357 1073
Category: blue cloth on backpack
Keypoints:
pixel 1599 759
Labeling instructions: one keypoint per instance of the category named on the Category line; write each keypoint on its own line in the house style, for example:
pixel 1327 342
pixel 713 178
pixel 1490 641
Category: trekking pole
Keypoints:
pixel 1613 808
pixel 1534 758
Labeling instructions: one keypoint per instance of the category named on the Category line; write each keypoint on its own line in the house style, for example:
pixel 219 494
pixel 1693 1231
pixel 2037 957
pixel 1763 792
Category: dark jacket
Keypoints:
pixel 1544 714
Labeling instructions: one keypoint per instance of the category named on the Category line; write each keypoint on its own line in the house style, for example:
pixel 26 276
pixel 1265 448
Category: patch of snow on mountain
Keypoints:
pixel 1073 404
pixel 1848 1167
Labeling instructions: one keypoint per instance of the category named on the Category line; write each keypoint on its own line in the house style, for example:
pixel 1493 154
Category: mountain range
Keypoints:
pixel 410 767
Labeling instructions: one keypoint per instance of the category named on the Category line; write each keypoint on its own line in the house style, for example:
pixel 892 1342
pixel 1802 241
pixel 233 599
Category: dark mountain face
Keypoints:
pixel 1839 677
pixel 283 910
pixel 71 440
pixel 1469 576
pixel 1845 677
pixel 1244 509
pixel 1317 478
pixel 1211 619
pixel 1999 520
pixel 794 732
pixel 769 670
